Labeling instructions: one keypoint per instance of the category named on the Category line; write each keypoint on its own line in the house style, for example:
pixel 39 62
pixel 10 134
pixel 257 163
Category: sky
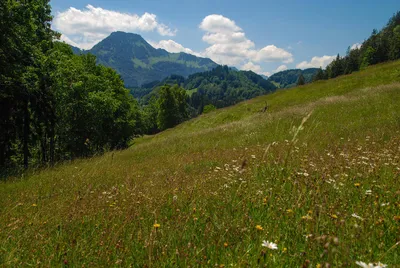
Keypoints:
pixel 265 36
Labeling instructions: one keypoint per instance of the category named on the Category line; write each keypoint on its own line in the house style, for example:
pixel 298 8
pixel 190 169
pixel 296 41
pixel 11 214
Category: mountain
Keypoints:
pixel 139 63
pixel 264 76
pixel 288 78
pixel 221 87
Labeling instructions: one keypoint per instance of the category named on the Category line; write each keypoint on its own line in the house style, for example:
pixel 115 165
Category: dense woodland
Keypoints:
pixel 56 105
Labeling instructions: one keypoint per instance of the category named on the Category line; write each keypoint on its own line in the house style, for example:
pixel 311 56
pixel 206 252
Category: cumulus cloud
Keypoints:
pixel 356 46
pixel 316 62
pixel 281 68
pixel 86 27
pixel 273 53
pixel 229 44
pixel 172 46
pixel 250 66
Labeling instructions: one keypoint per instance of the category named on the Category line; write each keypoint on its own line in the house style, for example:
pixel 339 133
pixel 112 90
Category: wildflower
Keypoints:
pixel 334 216
pixel 156 225
pixel 289 211
pixel 225 244
pixel 269 245
pixel 318 265
pixel 34 205
pixel 307 217
pixel 357 184
pixel 371 265
pixel 253 156
pixel 396 218
pixel 175 198
pixel 368 192
pixel 284 250
pixel 356 216
pixel 259 227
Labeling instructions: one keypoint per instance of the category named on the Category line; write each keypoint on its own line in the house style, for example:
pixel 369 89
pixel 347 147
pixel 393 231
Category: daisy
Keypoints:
pixel 371 265
pixel 269 245
pixel 356 216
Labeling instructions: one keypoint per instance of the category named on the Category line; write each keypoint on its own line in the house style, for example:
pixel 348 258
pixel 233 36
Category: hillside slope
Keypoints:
pixel 317 174
pixel 139 63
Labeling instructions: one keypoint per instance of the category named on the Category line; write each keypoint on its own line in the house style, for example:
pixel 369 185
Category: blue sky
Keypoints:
pixel 263 36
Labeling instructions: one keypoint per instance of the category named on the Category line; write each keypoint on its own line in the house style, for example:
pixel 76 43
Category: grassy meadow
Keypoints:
pixel 317 174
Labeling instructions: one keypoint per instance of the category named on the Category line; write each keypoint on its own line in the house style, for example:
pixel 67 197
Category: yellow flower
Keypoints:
pixel 318 265
pixel 156 225
pixel 225 244
pixel 334 216
pixel 289 211
pixel 284 250
pixel 259 227
pixel 357 184
pixel 34 205
pixel 307 217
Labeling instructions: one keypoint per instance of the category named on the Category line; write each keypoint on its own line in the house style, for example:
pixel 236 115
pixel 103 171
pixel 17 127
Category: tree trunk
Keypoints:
pixel 52 142
pixel 26 135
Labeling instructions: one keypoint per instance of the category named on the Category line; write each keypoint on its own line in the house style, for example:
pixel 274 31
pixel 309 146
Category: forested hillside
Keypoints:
pixel 381 46
pixel 289 78
pixel 218 88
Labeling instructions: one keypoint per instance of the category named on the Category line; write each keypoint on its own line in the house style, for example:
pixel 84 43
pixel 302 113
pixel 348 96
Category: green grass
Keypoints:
pixel 321 153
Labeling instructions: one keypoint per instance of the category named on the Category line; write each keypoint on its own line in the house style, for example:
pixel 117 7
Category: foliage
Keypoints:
pixel 288 78
pixel 301 81
pixel 55 105
pixel 209 108
pixel 379 47
pixel 172 106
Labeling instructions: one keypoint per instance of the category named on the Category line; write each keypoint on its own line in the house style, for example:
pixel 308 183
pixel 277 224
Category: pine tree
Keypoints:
pixel 301 81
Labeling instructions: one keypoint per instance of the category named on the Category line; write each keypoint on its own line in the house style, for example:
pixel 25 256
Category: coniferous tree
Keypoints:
pixel 301 81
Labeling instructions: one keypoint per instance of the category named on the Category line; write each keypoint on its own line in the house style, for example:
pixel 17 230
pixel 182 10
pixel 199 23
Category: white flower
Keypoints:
pixel 356 216
pixel 269 245
pixel 371 265
pixel 368 192
pixel 175 198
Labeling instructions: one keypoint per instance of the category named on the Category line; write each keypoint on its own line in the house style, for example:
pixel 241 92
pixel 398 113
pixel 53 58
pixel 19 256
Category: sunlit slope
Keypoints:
pixel 319 154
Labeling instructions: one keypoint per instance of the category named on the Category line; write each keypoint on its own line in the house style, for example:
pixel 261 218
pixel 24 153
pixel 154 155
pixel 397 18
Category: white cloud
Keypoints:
pixel 281 68
pixel 87 27
pixel 316 62
pixel 255 68
pixel 275 54
pixel 229 44
pixel 172 46
pixel 219 24
pixel 355 46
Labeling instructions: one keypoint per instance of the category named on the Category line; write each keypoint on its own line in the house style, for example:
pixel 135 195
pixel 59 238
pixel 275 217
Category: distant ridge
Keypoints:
pixel 139 63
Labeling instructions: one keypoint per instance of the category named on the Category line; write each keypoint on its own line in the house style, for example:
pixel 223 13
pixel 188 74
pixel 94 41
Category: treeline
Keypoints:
pixel 379 47
pixel 55 105
pixel 290 78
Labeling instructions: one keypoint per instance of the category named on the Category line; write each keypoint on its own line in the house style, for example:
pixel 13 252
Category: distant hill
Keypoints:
pixel 288 78
pixel 139 63
pixel 221 87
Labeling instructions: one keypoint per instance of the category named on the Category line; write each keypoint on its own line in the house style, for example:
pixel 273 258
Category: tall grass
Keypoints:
pixel 210 191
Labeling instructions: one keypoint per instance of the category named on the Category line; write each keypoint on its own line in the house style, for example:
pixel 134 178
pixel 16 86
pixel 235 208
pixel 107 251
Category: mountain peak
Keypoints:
pixel 139 63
